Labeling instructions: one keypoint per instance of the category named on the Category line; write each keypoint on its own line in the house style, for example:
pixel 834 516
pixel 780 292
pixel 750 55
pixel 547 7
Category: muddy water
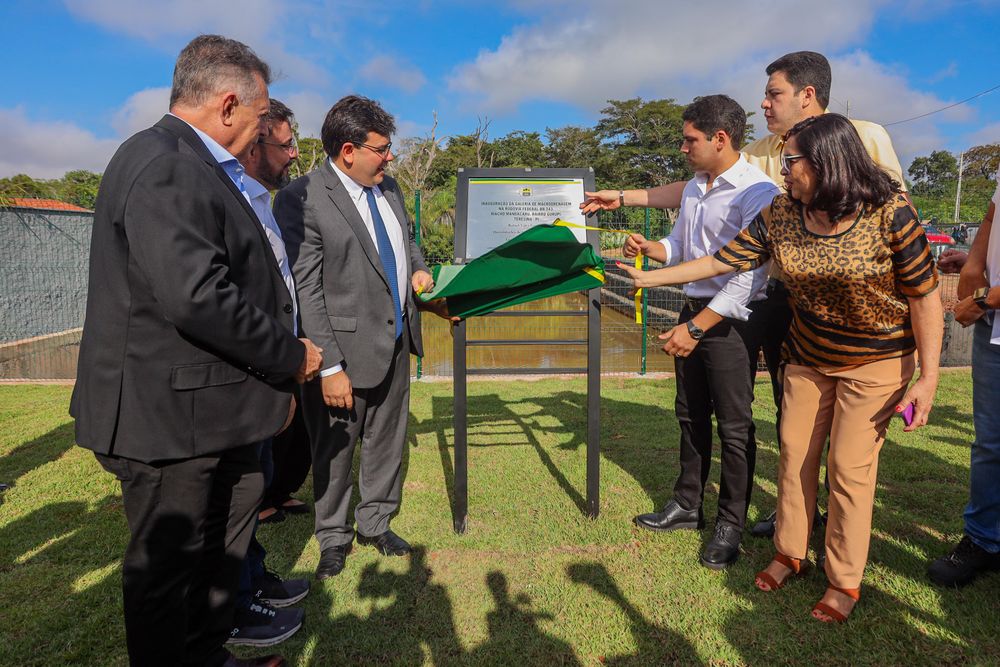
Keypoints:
pixel 621 340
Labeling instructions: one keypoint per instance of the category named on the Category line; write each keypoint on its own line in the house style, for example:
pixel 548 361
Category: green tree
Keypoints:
pixel 23 185
pixel 79 187
pixel 981 161
pixel 931 175
pixel 519 149
pixel 645 138
pixel 574 147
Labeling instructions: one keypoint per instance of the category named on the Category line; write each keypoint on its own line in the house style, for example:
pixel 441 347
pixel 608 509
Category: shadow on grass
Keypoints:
pixel 655 645
pixel 61 571
pixel 640 438
pixel 36 453
pixel 919 499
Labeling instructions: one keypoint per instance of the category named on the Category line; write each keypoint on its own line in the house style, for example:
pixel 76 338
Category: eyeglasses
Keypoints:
pixel 788 160
pixel 381 151
pixel 291 147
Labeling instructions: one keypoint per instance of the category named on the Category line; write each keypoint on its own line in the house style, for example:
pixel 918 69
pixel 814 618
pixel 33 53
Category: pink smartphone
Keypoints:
pixel 907 414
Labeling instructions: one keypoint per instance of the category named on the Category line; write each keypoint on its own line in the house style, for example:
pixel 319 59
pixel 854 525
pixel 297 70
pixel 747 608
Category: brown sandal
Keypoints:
pixel 796 565
pixel 836 616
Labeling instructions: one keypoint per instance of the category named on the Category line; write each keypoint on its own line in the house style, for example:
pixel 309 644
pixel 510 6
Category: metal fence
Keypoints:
pixel 43 289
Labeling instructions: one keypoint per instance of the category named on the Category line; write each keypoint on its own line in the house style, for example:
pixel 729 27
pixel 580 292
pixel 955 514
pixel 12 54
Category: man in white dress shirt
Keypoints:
pixel 714 370
pixel 262 617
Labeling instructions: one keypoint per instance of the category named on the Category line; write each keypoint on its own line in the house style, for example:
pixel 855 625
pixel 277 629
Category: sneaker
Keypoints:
pixel 260 624
pixel 965 562
pixel 278 592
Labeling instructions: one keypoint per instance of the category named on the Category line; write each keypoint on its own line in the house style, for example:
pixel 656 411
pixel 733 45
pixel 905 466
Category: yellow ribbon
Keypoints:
pixel 638 258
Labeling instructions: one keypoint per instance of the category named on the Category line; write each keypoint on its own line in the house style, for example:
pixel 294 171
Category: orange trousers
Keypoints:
pixel 853 406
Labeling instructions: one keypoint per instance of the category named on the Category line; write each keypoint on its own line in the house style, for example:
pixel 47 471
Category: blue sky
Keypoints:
pixel 81 75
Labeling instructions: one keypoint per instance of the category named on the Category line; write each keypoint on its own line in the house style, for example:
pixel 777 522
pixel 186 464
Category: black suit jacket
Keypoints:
pixel 187 346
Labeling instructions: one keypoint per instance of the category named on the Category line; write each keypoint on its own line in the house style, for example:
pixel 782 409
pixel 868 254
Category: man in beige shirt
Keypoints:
pixel 798 87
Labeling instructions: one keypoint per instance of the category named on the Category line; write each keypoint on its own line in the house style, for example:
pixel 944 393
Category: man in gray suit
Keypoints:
pixel 356 269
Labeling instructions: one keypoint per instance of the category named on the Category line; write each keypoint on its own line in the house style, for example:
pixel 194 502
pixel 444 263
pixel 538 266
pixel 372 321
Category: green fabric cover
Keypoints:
pixel 543 261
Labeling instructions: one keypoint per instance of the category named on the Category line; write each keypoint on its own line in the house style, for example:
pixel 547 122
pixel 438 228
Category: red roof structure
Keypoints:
pixel 41 204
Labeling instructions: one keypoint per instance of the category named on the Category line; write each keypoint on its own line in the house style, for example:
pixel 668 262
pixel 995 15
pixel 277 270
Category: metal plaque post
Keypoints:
pixel 462 343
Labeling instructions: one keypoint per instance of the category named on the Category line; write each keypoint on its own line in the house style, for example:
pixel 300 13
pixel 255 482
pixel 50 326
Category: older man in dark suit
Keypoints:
pixel 188 356
pixel 356 269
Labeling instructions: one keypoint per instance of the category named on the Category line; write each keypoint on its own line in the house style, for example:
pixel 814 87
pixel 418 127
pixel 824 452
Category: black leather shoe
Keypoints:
pixel 331 561
pixel 673 517
pixel 388 543
pixel 724 547
pixel 764 527
pixel 965 562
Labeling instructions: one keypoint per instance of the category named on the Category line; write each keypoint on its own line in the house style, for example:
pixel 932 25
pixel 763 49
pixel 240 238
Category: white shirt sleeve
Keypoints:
pixel 732 299
pixel 336 368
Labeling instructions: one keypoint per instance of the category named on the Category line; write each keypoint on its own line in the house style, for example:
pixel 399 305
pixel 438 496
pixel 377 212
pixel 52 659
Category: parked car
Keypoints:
pixel 936 236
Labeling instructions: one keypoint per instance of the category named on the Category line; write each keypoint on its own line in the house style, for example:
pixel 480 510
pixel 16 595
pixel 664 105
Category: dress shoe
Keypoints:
pixel 293 506
pixel 965 562
pixel 724 547
pixel 673 517
pixel 331 561
pixel 264 661
pixel 764 527
pixel 388 543
pixel 277 516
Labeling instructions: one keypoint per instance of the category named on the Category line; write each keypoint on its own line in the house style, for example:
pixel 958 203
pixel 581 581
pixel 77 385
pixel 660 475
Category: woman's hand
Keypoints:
pixel 921 394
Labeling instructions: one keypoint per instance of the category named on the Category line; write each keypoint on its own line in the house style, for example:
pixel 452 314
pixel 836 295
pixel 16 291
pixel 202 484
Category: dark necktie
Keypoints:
pixel 387 256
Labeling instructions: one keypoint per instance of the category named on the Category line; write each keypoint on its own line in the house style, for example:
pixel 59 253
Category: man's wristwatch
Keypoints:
pixel 979 297
pixel 696 332
pixel 621 198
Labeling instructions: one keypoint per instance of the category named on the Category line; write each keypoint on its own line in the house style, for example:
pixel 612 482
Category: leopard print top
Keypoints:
pixel 848 290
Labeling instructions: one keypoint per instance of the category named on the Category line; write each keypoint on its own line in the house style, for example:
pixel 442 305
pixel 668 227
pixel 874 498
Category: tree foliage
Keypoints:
pixel 77 187
pixel 931 174
pixel 935 183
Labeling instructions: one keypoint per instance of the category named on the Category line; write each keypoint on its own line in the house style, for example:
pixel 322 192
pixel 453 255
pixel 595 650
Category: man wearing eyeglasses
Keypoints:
pixel 798 87
pixel 263 614
pixel 356 269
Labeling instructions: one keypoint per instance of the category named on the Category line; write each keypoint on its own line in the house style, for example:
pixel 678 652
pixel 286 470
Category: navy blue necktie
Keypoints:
pixel 387 256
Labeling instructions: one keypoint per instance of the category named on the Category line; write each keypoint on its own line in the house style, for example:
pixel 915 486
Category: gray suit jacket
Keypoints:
pixel 344 298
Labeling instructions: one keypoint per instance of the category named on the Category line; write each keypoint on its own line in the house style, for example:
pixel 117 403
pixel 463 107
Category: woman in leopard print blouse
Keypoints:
pixel 861 280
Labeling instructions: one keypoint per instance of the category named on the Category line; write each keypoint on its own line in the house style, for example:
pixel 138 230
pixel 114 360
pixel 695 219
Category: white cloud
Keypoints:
pixel 882 95
pixel 140 111
pixel 615 49
pixel 49 149
pixel 259 23
pixel 601 49
pixel 989 134
pixel 309 108
pixel 394 72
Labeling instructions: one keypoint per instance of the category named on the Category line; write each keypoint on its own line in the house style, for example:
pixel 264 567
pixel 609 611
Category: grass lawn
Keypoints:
pixel 533 581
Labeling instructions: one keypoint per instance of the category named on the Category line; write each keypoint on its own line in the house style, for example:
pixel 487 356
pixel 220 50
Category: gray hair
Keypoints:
pixel 211 64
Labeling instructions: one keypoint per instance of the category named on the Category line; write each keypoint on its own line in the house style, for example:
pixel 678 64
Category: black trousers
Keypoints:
pixel 190 523
pixel 765 332
pixel 716 378
pixel 292 459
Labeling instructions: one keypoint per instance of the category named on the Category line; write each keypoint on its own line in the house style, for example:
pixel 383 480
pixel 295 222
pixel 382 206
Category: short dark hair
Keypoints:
pixel 846 175
pixel 210 64
pixel 279 113
pixel 806 68
pixel 712 113
pixel 351 119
